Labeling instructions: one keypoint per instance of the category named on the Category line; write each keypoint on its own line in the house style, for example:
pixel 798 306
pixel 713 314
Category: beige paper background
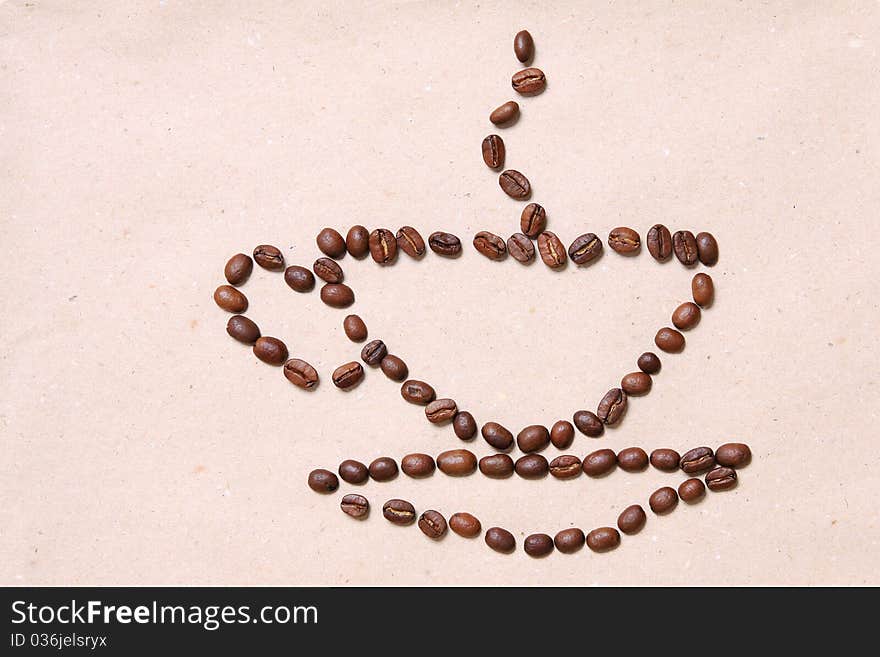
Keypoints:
pixel 146 142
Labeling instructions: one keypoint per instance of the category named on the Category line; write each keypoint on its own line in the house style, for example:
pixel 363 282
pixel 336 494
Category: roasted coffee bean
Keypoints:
pixel 346 377
pixel 399 512
pixel 357 242
pixel 327 270
pixel 323 481
pixel 504 114
pixel 383 468
pixel 523 46
pixel 588 423
pixel 669 340
pixel 270 350
pixel 493 151
pixel 721 478
pixel 497 466
pixel 529 81
pixel 417 465
pixel 612 407
pixel 707 249
pixel 417 392
pixel 465 525
pixel 624 240
pixel 490 245
pixel 585 249
pixel 636 383
pixel 410 241
pixel 445 244
pixel 569 541
pixel 703 290
pixel 603 539
pixel 464 425
pixel 238 269
pixel 331 243
pixel 531 466
pixel 684 245
pixel 649 363
pixel 600 462
pixel 301 374
pixel 659 242
pixel 697 460
pixel 441 410
pixel 663 500
pixel 561 434
pixel 383 246
pixel 521 248
pixel 665 459
pixel 354 328
pixel 691 490
pixel 733 455
pixel 337 295
pixel 533 220
pixel 394 368
pixel 299 278
pixel 269 257
pixel 433 524
pixel 500 540
pixel 565 467
pixel 242 329
pixel 353 472
pixel 356 506
pixel 686 316
pixel 552 250
pixel 538 545
pixel 457 462
pixel 230 299
pixel 533 438
pixel 632 519
pixel 497 436
pixel 632 459
pixel 373 352
pixel 514 184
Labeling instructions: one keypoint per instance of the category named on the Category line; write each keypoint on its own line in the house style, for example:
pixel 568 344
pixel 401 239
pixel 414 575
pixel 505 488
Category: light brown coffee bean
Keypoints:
pixel 515 184
pixel 665 459
pixel 337 295
pixel 505 114
pixel 493 151
pixel 327 270
pixel 441 410
pixel 490 245
pixel 632 519
pixel 686 316
pixel 230 299
pixel 562 434
pixel 659 242
pixel 270 350
pixel 691 490
pixel 529 81
pixel 433 524
pixel 552 250
pixel 301 374
pixel 269 257
pixel 533 220
pixel 521 248
pixel 394 368
pixel 684 245
pixel 707 249
pixel 636 383
pixel 703 290
pixel 383 246
pixel 355 328
pixel 497 466
pixel 457 462
pixel 399 512
pixel 330 243
pixel 410 241
pixel 669 340
pixel 612 407
pixel 357 242
pixel 600 462
pixel 299 279
pixel 624 240
pixel 565 467
pixel 356 506
pixel 346 377
pixel 417 392
pixel 465 525
pixel 417 465
pixel 238 269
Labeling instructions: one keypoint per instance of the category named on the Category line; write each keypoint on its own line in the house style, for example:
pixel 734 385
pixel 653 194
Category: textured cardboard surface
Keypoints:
pixel 146 142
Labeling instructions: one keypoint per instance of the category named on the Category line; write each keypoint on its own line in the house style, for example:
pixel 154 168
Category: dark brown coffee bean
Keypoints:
pixel 636 383
pixel 669 340
pixel 659 242
pixel 301 374
pixel 703 290
pixel 538 545
pixel 561 434
pixel 383 468
pixel 612 407
pixel 399 512
pixel 649 363
pixel 348 376
pixel 523 46
pixel 457 462
pixel 465 525
pixel 441 410
pixel 354 328
pixel 686 316
pixel 331 243
pixel 433 524
pixel 505 114
pixel 697 460
pixel 569 541
pixel 497 466
pixel 269 257
pixel 707 249
pixel 624 240
pixel 684 245
pixel 588 423
pixel 323 481
pixel 497 436
pixel 410 241
pixel 327 270
pixel 230 299
pixel 394 368
pixel 299 279
pixel 417 392
pixel 585 249
pixel 529 81
pixel 417 465
pixel 533 438
pixel 373 352
pixel 632 519
pixel 632 459
pixel 238 269
pixel 493 151
pixel 531 466
pixel 445 244
pixel 533 220
pixel 603 539
pixel 242 329
pixel 691 490
pixel 353 472
pixel 565 467
pixel 663 500
pixel 514 184
pixel 490 245
pixel 521 248
pixel 600 462
pixel 337 295
pixel 464 425
pixel 721 478
pixel 357 242
pixel 270 350
pixel 665 459
pixel 552 250
pixel 356 506
pixel 733 455
pixel 383 246
pixel 500 540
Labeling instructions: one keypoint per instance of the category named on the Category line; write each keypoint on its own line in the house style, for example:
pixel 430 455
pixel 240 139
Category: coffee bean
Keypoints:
pixel 357 242
pixel 383 246
pixel 230 299
pixel 464 425
pixel 383 469
pixel 669 340
pixel 433 524
pixel 684 245
pixel 417 465
pixel 301 374
pixel 327 270
pixel 238 269
pixel 733 455
pixel 457 462
pixel 523 46
pixel 270 350
pixel 585 249
pixel 588 423
pixel 686 316
pixel 659 242
pixel 500 540
pixel 445 244
pixel 552 250
pixel 242 329
pixel 399 512
pixel 533 220
pixel 663 500
pixel 331 243
pixel 356 506
pixel 521 248
pixel 569 541
pixel 417 392
pixel 465 525
pixel 603 539
pixel 354 328
pixel 299 279
pixel 410 241
pixel 665 459
pixel 373 352
pixel 269 257
pixel 493 151
pixel 538 545
pixel 337 295
pixel 697 460
pixel 632 519
pixel 497 436
pixel 649 363
pixel 612 407
pixel 624 240
pixel 514 184
pixel 703 290
pixel 691 490
pixel 632 459
pixel 565 467
pixel 707 249
pixel 353 472
pixel 497 466
pixel 394 368
pixel 505 114
pixel 490 245
pixel 531 466
pixel 562 434
pixel 348 376
pixel 636 383
pixel 600 462
pixel 441 410
pixel 721 478
pixel 533 438
pixel 323 481
pixel 529 81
